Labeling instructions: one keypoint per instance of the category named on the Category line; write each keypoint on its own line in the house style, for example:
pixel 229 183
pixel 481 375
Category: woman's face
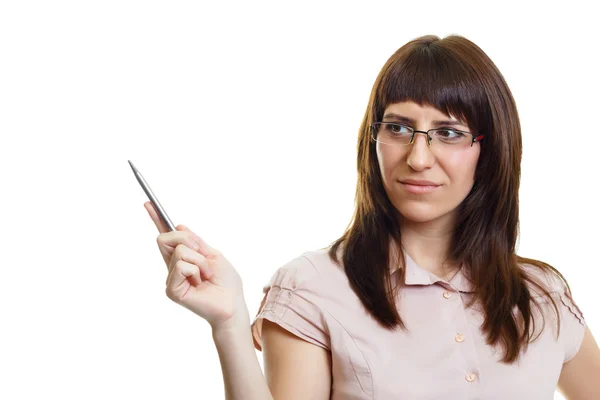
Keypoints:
pixel 450 170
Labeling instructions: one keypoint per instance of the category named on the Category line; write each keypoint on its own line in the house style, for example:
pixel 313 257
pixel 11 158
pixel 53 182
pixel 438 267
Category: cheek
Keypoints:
pixel 387 161
pixel 461 168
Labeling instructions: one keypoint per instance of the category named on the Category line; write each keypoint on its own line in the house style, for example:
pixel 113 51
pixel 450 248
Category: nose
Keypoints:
pixel 420 156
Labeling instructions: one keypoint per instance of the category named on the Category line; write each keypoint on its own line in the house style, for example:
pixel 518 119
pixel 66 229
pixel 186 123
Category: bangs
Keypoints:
pixel 431 75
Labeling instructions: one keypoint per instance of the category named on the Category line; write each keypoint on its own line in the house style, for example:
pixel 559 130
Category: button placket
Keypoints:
pixel 463 329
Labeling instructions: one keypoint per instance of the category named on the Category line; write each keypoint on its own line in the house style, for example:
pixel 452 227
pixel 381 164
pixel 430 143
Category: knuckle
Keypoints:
pixel 180 250
pixel 179 264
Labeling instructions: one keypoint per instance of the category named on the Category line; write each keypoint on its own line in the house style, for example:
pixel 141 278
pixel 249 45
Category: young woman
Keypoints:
pixel 423 297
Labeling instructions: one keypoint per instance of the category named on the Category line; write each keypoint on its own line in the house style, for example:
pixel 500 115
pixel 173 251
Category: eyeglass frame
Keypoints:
pixel 412 137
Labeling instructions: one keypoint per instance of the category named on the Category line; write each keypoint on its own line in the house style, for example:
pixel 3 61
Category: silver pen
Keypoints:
pixel 161 212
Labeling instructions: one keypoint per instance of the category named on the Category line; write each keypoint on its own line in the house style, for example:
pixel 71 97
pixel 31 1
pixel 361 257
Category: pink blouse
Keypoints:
pixel 443 356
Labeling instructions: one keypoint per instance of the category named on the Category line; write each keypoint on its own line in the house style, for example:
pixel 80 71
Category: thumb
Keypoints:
pixel 182 227
pixel 205 249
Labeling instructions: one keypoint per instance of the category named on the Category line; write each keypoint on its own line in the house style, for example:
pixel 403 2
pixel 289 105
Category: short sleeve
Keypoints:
pixel 572 324
pixel 291 300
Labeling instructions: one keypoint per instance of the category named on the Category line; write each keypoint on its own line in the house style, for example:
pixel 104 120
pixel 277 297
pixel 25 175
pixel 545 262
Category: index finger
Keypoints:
pixel 160 225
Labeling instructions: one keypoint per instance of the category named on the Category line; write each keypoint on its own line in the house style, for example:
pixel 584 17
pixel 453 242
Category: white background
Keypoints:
pixel 243 118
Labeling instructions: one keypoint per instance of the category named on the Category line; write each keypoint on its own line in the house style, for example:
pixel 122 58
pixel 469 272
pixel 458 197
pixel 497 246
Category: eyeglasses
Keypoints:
pixel 394 134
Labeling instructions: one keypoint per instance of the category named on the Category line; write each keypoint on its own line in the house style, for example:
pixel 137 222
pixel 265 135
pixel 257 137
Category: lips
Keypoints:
pixel 419 187
pixel 419 182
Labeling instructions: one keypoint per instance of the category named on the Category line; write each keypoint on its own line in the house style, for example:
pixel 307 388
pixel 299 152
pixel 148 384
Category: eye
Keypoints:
pixel 448 133
pixel 450 136
pixel 397 129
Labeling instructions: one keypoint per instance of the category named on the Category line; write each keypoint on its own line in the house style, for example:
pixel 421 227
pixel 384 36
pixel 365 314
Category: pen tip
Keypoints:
pixel 132 166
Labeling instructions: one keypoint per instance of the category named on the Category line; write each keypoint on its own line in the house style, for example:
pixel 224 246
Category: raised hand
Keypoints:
pixel 200 278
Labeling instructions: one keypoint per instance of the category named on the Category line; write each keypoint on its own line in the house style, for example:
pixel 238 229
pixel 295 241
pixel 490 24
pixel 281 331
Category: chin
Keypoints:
pixel 420 213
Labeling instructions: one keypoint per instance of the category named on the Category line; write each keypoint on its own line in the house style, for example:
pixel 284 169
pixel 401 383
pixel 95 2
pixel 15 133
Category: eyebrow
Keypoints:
pixel 400 118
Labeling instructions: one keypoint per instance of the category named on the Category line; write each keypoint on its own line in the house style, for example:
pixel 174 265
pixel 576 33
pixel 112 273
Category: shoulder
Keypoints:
pixel 545 277
pixel 556 286
pixel 309 269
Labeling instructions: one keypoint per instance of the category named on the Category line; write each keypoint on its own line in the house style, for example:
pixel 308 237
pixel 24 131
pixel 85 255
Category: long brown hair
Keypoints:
pixel 455 76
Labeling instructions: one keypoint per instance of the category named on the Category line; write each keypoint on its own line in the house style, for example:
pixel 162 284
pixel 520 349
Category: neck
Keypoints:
pixel 428 243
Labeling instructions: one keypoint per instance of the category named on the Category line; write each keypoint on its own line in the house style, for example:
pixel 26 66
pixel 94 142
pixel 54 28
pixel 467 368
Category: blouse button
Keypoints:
pixel 459 338
pixel 447 294
pixel 470 377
